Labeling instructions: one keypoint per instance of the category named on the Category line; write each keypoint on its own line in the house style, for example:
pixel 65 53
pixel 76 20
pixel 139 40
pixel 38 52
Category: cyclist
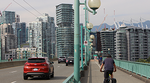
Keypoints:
pixel 109 66
pixel 100 60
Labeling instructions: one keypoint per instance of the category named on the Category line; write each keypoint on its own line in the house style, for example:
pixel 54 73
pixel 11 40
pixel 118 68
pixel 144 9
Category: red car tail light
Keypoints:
pixel 26 64
pixel 44 64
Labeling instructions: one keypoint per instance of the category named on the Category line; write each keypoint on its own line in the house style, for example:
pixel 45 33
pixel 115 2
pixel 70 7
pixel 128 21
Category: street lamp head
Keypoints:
pixel 91 44
pixel 94 4
pixel 89 26
pixel 92 37
pixel 90 40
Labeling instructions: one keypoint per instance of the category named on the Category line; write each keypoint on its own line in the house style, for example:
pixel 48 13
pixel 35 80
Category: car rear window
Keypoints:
pixel 71 58
pixel 61 57
pixel 39 60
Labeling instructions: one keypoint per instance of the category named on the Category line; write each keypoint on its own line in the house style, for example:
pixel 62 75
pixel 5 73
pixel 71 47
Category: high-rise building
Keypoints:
pixel 8 17
pixel 64 15
pixel 17 18
pixel 39 35
pixel 138 43
pixel 20 32
pixel 121 43
pixel 65 30
pixel 8 41
pixel 107 38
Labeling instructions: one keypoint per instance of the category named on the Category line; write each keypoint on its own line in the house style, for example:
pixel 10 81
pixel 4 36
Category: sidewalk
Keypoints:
pixel 93 75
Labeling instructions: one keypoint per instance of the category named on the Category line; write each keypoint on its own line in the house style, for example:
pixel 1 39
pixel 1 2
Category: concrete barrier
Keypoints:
pixel 16 63
pixel 11 64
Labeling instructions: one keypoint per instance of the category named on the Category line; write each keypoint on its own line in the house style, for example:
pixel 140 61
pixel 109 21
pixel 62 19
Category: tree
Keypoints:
pixel 148 59
pixel 141 60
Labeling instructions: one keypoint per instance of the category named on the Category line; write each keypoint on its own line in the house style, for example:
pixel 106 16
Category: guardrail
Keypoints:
pixel 70 79
pixel 135 67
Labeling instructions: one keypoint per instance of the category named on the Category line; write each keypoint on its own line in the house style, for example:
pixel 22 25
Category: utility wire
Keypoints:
pixel 32 7
pixel 24 8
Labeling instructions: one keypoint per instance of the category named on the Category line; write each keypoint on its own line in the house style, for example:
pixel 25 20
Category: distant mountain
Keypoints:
pixel 112 26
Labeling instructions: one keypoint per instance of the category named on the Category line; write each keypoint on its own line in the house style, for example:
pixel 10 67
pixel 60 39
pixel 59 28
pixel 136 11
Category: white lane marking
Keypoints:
pixel 14 82
pixel 12 71
pixel 97 64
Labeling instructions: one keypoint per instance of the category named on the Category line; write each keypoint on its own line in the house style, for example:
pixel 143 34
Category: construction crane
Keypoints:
pixel 101 23
pixel 5 8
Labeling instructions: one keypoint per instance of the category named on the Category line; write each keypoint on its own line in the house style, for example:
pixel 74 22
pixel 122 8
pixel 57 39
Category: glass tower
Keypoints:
pixel 8 17
pixel 65 30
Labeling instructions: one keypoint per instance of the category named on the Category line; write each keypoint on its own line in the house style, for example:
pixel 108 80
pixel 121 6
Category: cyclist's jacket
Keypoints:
pixel 108 64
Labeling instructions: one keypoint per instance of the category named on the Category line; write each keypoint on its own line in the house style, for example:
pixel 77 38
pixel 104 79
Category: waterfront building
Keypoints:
pixel 107 38
pixel 121 43
pixel 138 43
pixel 65 30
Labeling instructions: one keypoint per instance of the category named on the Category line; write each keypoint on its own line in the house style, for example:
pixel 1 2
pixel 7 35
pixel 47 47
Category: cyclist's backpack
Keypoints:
pixel 113 80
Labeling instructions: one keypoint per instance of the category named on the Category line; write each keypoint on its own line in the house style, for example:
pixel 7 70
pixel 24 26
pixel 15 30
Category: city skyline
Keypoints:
pixel 124 10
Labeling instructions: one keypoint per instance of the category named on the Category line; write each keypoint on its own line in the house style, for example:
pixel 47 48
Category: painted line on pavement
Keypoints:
pixel 12 71
pixel 14 82
pixel 97 64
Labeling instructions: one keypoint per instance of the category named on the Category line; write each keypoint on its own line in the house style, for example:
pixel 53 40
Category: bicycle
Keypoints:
pixel 109 79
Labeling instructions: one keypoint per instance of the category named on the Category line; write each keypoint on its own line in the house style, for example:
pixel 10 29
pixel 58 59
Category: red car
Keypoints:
pixel 38 67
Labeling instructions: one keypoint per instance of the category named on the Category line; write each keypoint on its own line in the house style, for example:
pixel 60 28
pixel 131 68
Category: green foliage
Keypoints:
pixel 144 60
pixel 141 60
pixel 148 59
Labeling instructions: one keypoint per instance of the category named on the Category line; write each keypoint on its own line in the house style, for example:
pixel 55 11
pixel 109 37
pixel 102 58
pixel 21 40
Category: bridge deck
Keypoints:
pixel 93 75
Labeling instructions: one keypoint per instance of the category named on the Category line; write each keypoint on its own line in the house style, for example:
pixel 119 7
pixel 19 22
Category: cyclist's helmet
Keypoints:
pixel 108 55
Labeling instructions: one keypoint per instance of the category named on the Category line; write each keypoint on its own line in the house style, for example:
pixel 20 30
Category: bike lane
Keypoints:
pixel 93 75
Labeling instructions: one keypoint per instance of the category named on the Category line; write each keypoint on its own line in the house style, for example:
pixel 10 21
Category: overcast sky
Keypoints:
pixel 124 10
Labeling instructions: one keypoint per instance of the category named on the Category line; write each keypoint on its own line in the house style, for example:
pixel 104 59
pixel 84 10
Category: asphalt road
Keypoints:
pixel 15 74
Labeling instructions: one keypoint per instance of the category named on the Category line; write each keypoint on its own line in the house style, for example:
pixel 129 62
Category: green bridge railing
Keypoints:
pixel 142 69
pixel 70 79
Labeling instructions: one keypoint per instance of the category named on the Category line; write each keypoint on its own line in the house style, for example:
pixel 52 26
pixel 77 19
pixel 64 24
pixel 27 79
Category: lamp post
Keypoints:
pixel 81 49
pixel 76 36
pixel 108 50
pixel 91 38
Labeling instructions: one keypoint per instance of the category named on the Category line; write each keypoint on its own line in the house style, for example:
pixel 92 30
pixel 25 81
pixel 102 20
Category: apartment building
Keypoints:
pixel 65 30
